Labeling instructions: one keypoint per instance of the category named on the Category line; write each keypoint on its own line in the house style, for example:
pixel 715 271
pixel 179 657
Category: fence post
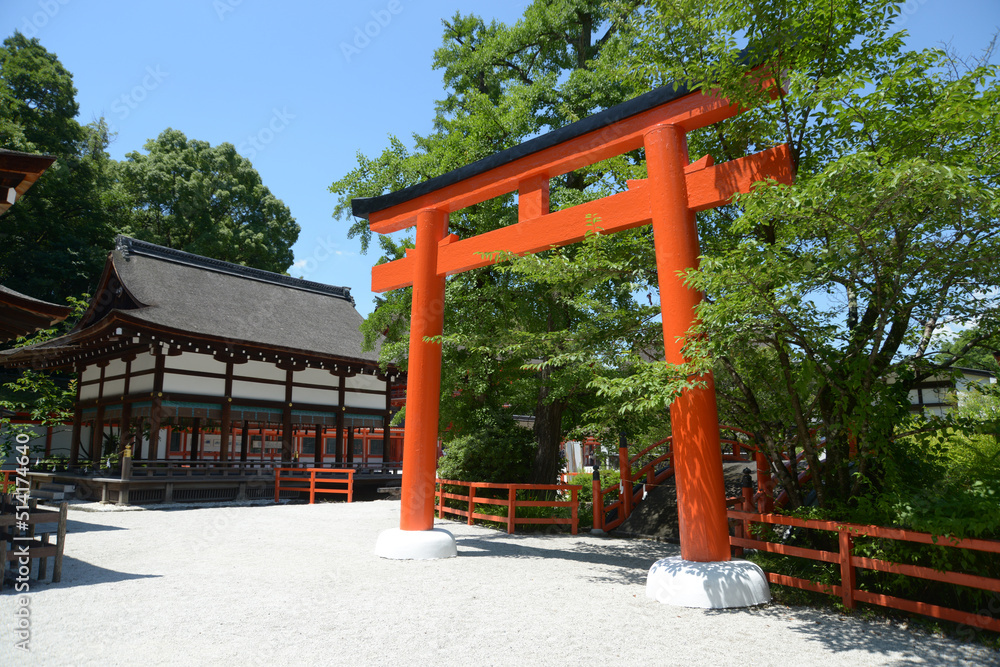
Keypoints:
pixel 439 494
pixel 472 501
pixel 598 500
pixel 765 503
pixel 350 486
pixel 277 483
pixel 575 510
pixel 312 487
pixel 511 508
pixel 625 481
pixel 848 575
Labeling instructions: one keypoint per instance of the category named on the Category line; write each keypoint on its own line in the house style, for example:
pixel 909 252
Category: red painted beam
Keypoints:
pixel 707 187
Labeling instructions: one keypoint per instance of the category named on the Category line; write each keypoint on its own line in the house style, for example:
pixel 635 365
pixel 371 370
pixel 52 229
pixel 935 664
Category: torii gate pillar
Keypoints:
pixel 694 416
pixel 703 576
pixel 416 537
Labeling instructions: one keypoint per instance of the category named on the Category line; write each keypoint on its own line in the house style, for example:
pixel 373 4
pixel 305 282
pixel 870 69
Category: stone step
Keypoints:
pixel 42 494
pixel 65 488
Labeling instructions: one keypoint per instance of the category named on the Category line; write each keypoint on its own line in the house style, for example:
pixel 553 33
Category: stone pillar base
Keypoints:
pixel 416 544
pixel 712 585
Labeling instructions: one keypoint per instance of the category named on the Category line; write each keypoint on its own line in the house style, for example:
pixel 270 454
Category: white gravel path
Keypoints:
pixel 300 585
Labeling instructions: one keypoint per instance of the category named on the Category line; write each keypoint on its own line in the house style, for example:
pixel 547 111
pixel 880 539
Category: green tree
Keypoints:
pixel 189 195
pixel 53 243
pixel 824 296
pixel 972 348
pixel 506 332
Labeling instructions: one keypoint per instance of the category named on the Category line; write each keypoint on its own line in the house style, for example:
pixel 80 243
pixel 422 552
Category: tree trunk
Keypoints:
pixel 548 433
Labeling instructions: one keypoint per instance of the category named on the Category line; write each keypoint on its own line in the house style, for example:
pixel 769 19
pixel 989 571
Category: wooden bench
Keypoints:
pixel 36 545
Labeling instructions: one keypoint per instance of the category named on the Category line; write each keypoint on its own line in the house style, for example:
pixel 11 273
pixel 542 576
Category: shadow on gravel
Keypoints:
pixel 627 561
pixel 837 634
pixel 84 527
pixel 77 573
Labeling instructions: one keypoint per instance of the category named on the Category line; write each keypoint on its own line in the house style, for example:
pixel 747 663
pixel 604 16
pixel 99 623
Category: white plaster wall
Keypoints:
pixel 259 369
pixel 316 376
pixel 141 385
pixel 114 388
pixel 317 396
pixel 143 362
pixel 116 367
pixel 365 382
pixel 191 361
pixel 258 390
pixel 374 401
pixel 89 391
pixel 193 385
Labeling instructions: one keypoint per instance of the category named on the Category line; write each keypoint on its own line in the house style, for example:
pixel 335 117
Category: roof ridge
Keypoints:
pixel 129 246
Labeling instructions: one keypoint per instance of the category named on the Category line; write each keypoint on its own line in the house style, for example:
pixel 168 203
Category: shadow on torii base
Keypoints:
pixel 668 199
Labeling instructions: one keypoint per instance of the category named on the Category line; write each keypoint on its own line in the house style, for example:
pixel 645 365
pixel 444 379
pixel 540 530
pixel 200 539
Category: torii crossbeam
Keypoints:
pixel 668 199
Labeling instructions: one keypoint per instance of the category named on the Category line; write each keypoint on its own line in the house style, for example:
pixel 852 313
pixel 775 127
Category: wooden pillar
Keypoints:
pixel 286 420
pixel 245 441
pixel 386 454
pixel 350 444
pixel 74 445
pixel 701 493
pixel 386 433
pixel 126 419
pixel 339 442
pixel 48 441
pixel 224 432
pixel 126 431
pixel 156 411
pixel 227 406
pixel 426 319
pixel 195 438
pixel 318 449
pixel 97 436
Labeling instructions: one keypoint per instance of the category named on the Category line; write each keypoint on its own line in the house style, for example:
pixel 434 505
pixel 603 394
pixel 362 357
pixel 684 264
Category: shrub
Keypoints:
pixel 500 451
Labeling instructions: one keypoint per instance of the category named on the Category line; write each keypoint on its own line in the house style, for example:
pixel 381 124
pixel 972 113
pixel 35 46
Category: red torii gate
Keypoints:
pixel 668 199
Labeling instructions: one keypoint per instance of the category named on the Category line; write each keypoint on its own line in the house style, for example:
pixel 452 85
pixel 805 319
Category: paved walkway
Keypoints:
pixel 299 584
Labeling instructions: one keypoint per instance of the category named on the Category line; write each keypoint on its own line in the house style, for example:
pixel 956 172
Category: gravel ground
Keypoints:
pixel 300 585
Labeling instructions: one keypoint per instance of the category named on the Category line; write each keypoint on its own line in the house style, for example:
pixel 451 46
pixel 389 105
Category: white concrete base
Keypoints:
pixel 416 544
pixel 719 585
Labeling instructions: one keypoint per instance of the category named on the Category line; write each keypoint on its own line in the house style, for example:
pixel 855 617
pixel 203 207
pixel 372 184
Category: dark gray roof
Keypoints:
pixel 21 314
pixel 207 297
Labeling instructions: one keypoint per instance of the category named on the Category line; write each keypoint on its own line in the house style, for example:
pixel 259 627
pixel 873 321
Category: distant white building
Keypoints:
pixel 937 395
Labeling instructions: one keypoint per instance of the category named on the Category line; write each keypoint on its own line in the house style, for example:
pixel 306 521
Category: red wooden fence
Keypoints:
pixel 320 480
pixel 7 475
pixel 511 502
pixel 848 589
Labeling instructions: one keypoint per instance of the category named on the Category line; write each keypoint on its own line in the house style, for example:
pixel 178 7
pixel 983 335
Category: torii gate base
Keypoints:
pixel 657 122
pixel 713 585
pixel 400 544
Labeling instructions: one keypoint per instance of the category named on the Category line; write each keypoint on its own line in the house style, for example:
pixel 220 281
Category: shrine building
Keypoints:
pixel 183 357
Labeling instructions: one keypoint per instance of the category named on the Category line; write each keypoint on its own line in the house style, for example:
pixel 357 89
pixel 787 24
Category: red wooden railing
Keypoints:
pixel 344 482
pixel 848 589
pixel 511 502
pixel 651 474
pixel 8 486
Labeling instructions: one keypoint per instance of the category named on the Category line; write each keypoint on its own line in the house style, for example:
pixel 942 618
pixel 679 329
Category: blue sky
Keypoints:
pixel 296 90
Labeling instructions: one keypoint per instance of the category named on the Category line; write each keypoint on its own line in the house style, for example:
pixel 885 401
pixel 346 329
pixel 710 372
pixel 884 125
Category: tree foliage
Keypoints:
pixel 208 200
pixel 53 243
